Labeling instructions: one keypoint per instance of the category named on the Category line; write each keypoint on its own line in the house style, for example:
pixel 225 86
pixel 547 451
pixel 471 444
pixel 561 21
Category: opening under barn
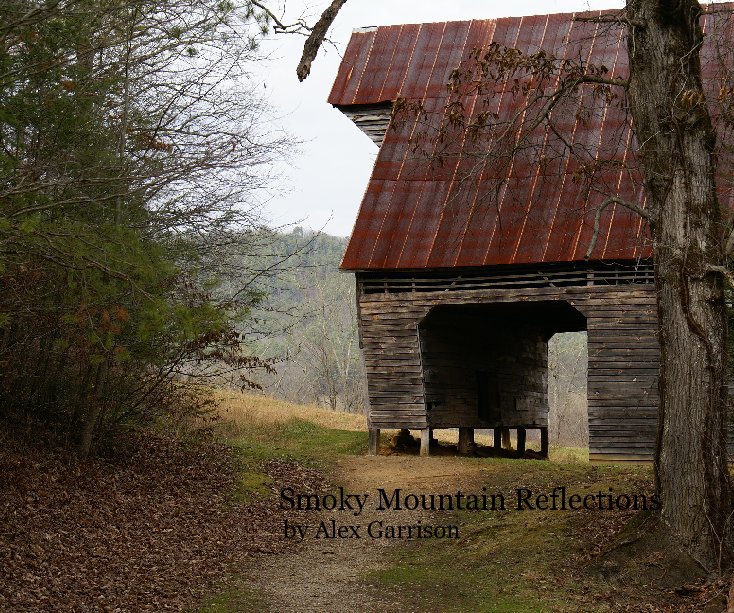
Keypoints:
pixel 486 366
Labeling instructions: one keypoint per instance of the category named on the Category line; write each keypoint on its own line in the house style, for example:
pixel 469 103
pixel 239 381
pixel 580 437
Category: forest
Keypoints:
pixel 131 154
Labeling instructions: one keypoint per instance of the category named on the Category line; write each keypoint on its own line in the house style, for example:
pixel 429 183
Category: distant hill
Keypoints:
pixel 307 321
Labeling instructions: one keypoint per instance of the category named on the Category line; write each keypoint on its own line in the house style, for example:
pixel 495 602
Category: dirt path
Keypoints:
pixel 332 575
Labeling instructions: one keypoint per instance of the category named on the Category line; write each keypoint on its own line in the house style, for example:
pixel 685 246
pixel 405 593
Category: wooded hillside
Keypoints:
pixel 307 325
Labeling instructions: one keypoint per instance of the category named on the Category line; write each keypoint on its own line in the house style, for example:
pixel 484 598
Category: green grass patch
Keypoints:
pixel 569 455
pixel 251 484
pixel 236 599
pixel 299 440
pixel 515 561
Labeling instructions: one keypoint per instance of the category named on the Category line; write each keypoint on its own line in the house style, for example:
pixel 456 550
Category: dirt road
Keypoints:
pixel 334 574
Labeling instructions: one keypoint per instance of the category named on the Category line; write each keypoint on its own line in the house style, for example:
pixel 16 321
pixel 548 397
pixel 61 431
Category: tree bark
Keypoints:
pixel 676 138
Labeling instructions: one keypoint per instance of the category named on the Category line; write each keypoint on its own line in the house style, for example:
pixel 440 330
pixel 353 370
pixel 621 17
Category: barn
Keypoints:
pixel 467 266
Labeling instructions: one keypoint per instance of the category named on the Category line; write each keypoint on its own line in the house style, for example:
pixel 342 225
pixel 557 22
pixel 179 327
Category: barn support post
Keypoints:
pixel 520 442
pixel 374 441
pixel 497 440
pixel 544 442
pixel 506 442
pixel 466 436
pixel 425 441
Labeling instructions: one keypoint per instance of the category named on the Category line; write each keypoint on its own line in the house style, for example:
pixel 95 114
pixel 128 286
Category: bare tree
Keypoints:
pixel 568 422
pixel 329 345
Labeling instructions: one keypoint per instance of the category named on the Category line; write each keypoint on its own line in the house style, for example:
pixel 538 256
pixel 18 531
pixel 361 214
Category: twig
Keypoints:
pixel 279 26
pixel 595 79
pixel 612 200
pixel 624 21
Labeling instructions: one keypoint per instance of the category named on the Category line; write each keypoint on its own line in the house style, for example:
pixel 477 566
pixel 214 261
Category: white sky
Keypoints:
pixel 323 184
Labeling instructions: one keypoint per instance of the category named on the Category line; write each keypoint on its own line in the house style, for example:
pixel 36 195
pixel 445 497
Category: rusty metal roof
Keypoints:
pixel 471 212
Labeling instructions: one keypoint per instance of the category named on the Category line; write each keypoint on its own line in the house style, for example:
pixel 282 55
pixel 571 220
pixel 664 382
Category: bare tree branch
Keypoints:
pixel 315 40
pixel 281 27
pixel 612 200
pixel 632 23
pixel 617 82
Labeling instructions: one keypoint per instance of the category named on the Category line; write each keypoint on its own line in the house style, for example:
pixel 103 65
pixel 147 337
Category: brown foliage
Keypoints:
pixel 150 527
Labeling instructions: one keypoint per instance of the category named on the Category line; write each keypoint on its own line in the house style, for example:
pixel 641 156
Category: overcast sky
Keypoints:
pixel 322 186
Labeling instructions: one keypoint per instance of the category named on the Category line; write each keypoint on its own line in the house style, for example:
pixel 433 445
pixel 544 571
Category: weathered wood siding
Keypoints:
pixel 372 119
pixel 463 351
pixel 623 358
pixel 622 388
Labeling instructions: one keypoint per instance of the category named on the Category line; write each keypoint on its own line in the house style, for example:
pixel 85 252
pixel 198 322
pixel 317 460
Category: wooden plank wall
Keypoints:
pixel 623 359
pixel 373 120
pixel 622 387
pixel 510 357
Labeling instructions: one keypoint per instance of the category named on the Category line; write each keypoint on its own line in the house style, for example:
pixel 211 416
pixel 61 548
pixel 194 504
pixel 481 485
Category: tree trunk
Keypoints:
pixel 674 129
pixel 94 408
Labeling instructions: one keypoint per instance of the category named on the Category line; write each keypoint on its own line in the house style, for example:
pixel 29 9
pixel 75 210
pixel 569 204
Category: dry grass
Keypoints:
pixel 237 410
pixel 242 409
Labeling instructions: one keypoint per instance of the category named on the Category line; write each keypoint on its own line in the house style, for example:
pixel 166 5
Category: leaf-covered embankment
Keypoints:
pixel 153 526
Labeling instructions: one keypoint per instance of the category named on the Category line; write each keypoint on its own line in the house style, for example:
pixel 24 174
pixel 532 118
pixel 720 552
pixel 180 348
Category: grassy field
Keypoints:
pixel 263 428
pixel 530 561
pixel 253 418
pixel 504 561
pixel 242 410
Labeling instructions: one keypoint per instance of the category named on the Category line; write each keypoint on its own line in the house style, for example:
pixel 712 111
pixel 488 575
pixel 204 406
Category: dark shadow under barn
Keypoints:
pixel 486 366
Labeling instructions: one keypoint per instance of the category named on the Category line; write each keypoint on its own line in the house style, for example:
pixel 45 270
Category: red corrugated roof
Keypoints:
pixel 470 212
